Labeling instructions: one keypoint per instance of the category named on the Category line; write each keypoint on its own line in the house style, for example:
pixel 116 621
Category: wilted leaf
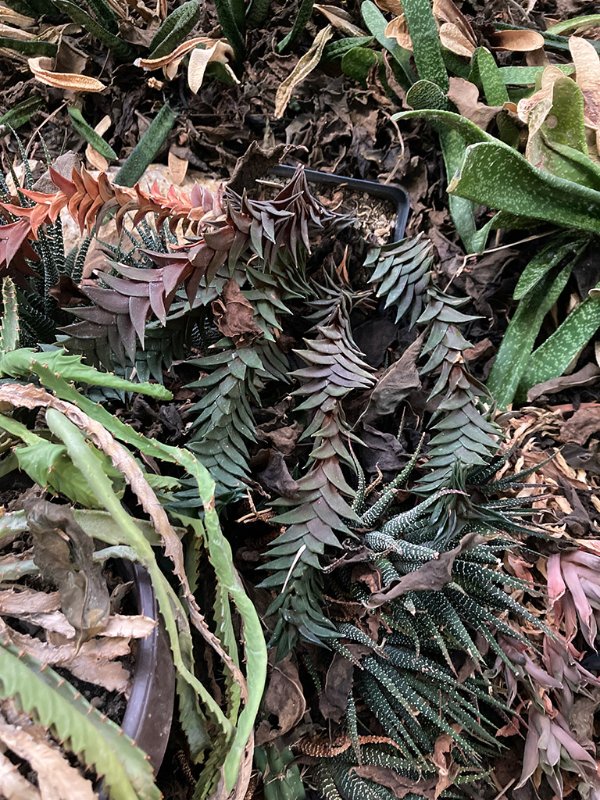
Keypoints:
pixel 43 69
pixel 220 52
pixel 283 699
pixel 586 376
pixel 234 316
pixel 56 778
pixel 587 75
pixel 340 19
pixel 13 786
pixel 276 476
pixel 177 168
pixel 380 450
pixel 303 68
pixel 517 41
pixel 333 700
pixel 454 40
pixel 396 383
pixel 431 577
pixel 465 96
pixel 583 423
pixel 96 159
pixel 398 29
pixel 400 786
pixel 442 758
pixel 64 553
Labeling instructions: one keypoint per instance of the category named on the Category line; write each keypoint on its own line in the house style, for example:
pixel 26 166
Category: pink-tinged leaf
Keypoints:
pixel 174 275
pixel 531 755
pixel 15 235
pixel 107 299
pixel 138 313
pixel 584 609
pixel 125 286
pixel 157 302
pixel 127 334
pixel 556 584
pixel 573 748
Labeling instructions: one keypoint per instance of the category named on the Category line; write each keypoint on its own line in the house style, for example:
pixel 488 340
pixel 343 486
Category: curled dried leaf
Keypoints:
pixel 43 69
pixel 220 52
pixel 517 41
pixel 303 68
pixel 340 19
pixel 587 75
pixel 398 29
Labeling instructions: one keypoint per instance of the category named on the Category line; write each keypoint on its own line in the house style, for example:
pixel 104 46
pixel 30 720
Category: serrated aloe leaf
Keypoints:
pixel 553 357
pixel 494 175
pixel 90 735
pixel 9 324
pixel 21 363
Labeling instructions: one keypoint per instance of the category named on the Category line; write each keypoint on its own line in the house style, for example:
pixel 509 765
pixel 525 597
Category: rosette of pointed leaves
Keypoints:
pixel 463 432
pixel 401 270
pixel 317 516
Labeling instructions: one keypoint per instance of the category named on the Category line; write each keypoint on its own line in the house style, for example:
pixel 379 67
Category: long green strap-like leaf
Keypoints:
pixel 497 176
pixel 147 148
pixel 426 42
pixel 542 292
pixel 553 357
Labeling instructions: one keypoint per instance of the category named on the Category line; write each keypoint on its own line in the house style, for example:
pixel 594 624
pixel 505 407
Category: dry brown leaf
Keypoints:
pixel 584 377
pixel 177 168
pixel 587 75
pixel 56 778
pixel 96 160
pixel 517 41
pixel 234 316
pixel 14 602
pixel 393 6
pixel 303 68
pixel 465 96
pixel 333 700
pixel 220 52
pixel 14 18
pixel 15 33
pixel 13 786
pixel 399 785
pixel 442 758
pixel 454 40
pixel 42 68
pixel 150 64
pixel 456 32
pixel 432 576
pixel 283 700
pixel 93 662
pixel 132 626
pixel 398 29
pixel 583 423
pixel 340 19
